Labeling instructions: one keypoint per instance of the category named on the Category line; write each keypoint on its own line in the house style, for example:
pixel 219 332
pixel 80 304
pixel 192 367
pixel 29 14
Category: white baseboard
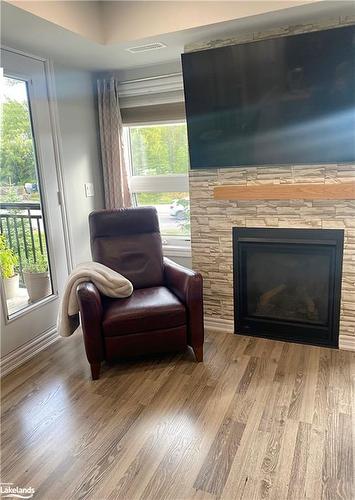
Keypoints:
pixel 19 356
pixel 347 342
pixel 219 324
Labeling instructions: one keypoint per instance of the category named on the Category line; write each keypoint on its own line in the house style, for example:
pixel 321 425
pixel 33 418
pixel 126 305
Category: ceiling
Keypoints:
pixel 97 49
pixel 109 22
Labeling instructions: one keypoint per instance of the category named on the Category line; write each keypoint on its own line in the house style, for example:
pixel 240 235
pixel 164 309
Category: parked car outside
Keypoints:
pixel 179 208
pixel 31 187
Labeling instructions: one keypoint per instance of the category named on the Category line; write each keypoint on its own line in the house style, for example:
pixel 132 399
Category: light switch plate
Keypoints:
pixel 89 189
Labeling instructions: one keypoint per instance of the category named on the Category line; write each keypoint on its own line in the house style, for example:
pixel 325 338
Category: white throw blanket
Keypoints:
pixel 107 281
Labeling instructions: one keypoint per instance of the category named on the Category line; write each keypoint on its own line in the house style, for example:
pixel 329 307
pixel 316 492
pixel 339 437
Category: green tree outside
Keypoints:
pixel 17 164
pixel 159 150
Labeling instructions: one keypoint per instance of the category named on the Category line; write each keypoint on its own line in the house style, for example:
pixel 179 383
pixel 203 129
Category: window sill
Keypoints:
pixel 176 251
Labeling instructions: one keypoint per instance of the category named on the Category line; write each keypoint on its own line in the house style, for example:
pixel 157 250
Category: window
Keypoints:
pixel 159 163
pixel 23 239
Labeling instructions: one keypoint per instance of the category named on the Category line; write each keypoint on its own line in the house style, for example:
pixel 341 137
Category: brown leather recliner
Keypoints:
pixel 165 311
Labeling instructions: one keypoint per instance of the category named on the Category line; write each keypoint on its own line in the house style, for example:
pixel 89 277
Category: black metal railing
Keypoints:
pixel 22 225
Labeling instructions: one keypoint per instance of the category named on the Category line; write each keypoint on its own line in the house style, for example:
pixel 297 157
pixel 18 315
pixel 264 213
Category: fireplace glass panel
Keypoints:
pixel 288 284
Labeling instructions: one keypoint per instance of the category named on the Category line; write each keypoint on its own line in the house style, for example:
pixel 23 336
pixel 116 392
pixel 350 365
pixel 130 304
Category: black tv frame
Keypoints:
pixel 218 165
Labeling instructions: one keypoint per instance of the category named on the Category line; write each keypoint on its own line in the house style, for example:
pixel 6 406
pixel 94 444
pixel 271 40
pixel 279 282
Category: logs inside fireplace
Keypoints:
pixel 287 283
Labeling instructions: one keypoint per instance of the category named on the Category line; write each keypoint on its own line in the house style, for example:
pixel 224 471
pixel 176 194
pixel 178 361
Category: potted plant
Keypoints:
pixel 8 262
pixel 36 277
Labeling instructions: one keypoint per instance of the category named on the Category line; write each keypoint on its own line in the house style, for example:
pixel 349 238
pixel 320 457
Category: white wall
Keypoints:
pixel 80 153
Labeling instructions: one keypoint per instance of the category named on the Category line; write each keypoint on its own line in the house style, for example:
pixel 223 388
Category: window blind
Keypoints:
pixel 153 113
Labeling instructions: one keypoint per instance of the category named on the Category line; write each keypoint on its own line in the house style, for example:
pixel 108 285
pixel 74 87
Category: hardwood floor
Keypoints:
pixel 258 419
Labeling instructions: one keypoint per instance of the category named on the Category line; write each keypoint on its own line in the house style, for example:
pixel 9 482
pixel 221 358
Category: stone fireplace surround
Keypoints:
pixel 212 220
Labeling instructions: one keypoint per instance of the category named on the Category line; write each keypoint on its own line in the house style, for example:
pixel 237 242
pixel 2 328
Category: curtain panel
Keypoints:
pixel 115 170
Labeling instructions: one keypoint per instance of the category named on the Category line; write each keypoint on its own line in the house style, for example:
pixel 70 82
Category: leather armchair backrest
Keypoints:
pixel 128 240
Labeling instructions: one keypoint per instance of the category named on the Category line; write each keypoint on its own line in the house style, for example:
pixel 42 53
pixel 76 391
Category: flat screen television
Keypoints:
pixel 287 100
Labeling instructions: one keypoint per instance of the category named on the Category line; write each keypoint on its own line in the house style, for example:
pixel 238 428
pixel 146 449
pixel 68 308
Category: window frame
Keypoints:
pixel 175 246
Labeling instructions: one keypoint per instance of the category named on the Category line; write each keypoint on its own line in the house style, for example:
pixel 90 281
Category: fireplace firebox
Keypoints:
pixel 287 283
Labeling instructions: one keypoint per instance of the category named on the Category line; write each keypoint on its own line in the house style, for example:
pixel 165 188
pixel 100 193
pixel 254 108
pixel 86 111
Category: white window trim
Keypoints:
pixel 159 183
pixel 173 246
pixel 176 250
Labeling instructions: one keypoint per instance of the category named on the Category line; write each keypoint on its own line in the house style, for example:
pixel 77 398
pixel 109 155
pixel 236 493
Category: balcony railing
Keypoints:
pixel 22 225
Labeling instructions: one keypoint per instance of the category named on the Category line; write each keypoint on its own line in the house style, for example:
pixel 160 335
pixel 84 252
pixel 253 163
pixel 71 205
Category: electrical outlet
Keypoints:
pixel 89 189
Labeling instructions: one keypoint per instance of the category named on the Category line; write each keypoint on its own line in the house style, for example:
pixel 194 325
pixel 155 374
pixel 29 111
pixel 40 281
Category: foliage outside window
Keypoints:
pixel 23 243
pixel 17 159
pixel 159 168
pixel 159 150
pixel 18 174
pixel 8 260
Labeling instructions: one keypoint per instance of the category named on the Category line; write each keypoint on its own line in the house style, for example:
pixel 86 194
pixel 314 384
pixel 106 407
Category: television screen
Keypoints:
pixel 288 100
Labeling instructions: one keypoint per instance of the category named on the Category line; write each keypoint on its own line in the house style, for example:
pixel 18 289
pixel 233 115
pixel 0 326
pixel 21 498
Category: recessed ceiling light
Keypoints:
pixel 146 47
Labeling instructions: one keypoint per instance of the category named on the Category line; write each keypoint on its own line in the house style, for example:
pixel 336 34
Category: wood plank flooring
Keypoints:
pixel 259 419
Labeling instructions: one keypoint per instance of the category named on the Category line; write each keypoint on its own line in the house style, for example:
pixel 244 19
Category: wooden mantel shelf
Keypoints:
pixel 337 191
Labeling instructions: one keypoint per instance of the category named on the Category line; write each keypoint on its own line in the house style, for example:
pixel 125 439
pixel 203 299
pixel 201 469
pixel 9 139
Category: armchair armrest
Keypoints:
pixel 90 306
pixel 187 285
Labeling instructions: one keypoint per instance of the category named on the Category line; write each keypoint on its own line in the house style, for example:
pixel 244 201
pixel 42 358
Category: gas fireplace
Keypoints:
pixel 287 283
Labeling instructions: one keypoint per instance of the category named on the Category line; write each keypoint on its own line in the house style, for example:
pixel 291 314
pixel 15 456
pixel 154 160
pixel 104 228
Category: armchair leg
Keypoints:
pixel 198 351
pixel 95 370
